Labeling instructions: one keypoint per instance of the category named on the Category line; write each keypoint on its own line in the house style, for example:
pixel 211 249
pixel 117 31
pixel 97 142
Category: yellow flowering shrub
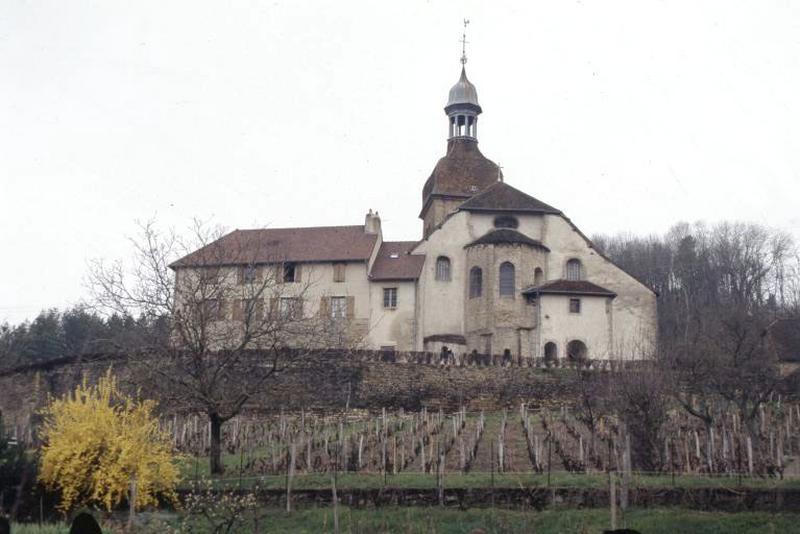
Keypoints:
pixel 96 440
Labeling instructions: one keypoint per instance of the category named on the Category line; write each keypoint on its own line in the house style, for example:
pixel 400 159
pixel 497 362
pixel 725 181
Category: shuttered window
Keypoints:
pixel 507 279
pixel 338 307
pixel 338 272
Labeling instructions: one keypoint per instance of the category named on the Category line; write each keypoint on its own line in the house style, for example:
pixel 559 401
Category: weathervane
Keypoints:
pixel 464 43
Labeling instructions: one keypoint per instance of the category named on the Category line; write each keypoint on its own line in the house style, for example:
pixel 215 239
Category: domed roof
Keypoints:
pixel 463 92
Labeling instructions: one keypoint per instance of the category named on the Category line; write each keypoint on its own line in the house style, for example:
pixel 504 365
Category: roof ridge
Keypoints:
pixel 342 226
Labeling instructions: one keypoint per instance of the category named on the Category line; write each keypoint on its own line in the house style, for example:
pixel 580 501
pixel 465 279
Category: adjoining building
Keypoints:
pixel 497 271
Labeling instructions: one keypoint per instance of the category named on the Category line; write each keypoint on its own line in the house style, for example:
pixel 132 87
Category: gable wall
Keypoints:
pixel 634 308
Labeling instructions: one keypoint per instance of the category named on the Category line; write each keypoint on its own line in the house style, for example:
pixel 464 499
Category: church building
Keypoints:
pixel 496 271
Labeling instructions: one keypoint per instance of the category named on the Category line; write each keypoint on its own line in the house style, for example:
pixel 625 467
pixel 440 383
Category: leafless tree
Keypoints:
pixel 235 318
pixel 722 289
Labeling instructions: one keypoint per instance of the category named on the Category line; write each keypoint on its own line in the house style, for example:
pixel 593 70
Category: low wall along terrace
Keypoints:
pixel 326 380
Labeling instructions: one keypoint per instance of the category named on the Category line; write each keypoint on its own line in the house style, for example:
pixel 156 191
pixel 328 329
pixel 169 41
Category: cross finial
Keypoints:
pixel 464 43
pixel 499 173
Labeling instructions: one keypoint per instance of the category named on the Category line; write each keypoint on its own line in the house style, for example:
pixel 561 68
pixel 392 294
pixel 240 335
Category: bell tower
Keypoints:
pixel 463 172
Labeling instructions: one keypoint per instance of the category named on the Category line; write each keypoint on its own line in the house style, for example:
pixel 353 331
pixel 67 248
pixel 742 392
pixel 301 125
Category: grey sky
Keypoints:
pixel 629 116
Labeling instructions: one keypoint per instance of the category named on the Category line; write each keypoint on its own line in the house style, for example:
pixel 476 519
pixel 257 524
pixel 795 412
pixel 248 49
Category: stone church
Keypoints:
pixel 496 270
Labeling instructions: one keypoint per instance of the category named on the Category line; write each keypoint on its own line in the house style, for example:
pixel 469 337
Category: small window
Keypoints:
pixel 289 307
pixel 247 274
pixel 574 305
pixel 506 221
pixel 507 279
pixel 475 282
pixel 212 309
pixel 443 268
pixel 338 307
pixel 574 270
pixel 390 297
pixel 338 272
pixel 289 272
pixel 210 276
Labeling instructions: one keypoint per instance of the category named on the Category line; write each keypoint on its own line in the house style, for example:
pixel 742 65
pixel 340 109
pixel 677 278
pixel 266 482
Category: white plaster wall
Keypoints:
pixel 591 325
pixel 316 281
pixel 392 326
pixel 440 308
pixel 634 308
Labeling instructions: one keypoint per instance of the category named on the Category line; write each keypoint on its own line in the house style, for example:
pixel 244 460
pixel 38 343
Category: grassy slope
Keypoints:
pixel 445 521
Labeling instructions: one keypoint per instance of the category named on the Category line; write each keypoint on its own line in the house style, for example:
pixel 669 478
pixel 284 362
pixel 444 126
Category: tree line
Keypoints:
pixel 73 332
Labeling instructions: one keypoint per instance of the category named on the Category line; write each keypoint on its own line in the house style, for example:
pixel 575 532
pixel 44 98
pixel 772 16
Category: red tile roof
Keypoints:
pixel 502 197
pixel 463 172
pixel 394 262
pixel 273 245
pixel 570 287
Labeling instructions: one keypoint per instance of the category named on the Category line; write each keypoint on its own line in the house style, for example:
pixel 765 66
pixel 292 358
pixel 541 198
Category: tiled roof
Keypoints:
pixel 502 197
pixel 504 236
pixel 570 287
pixel 394 262
pixel 463 172
pixel 272 245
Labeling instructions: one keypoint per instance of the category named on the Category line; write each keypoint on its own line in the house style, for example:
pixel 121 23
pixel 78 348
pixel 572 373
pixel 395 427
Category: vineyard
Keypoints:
pixel 421 448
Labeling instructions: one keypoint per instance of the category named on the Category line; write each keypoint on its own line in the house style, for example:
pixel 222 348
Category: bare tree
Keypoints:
pixel 721 289
pixel 235 314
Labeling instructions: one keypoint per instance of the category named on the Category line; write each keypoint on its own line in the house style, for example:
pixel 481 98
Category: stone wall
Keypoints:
pixel 325 381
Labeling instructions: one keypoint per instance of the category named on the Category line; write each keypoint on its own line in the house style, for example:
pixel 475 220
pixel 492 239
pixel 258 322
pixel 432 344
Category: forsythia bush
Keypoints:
pixel 97 440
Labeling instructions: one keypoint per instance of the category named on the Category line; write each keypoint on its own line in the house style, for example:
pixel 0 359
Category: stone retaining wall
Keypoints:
pixel 325 381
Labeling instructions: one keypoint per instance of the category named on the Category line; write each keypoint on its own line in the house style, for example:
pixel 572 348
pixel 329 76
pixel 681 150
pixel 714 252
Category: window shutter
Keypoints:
pixel 278 274
pixel 299 308
pixel 273 308
pixel 259 310
pixel 238 309
pixel 325 307
pixel 351 307
pixel 339 272
pixel 223 309
pixel 297 273
pixel 240 275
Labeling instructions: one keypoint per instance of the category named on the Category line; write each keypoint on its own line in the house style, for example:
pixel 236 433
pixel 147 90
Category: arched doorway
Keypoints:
pixel 576 350
pixel 550 352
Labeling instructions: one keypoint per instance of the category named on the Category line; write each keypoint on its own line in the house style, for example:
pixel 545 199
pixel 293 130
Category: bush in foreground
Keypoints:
pixel 97 441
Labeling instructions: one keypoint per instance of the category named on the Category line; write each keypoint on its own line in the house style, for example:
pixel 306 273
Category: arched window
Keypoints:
pixel 443 268
pixel 507 279
pixel 538 277
pixel 576 350
pixel 574 270
pixel 475 282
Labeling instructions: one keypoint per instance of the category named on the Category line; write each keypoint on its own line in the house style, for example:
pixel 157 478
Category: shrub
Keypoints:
pixel 97 440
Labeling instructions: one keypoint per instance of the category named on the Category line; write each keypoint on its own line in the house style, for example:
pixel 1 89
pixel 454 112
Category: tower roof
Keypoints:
pixel 462 173
pixel 463 93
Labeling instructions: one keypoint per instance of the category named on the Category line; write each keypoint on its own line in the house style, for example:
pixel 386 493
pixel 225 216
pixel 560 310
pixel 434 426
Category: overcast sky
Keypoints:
pixel 628 116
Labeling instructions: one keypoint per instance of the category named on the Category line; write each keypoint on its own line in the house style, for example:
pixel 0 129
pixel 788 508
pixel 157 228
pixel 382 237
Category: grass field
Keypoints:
pixel 447 521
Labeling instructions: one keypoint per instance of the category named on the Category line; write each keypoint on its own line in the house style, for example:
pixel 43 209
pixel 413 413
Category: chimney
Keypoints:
pixel 372 223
